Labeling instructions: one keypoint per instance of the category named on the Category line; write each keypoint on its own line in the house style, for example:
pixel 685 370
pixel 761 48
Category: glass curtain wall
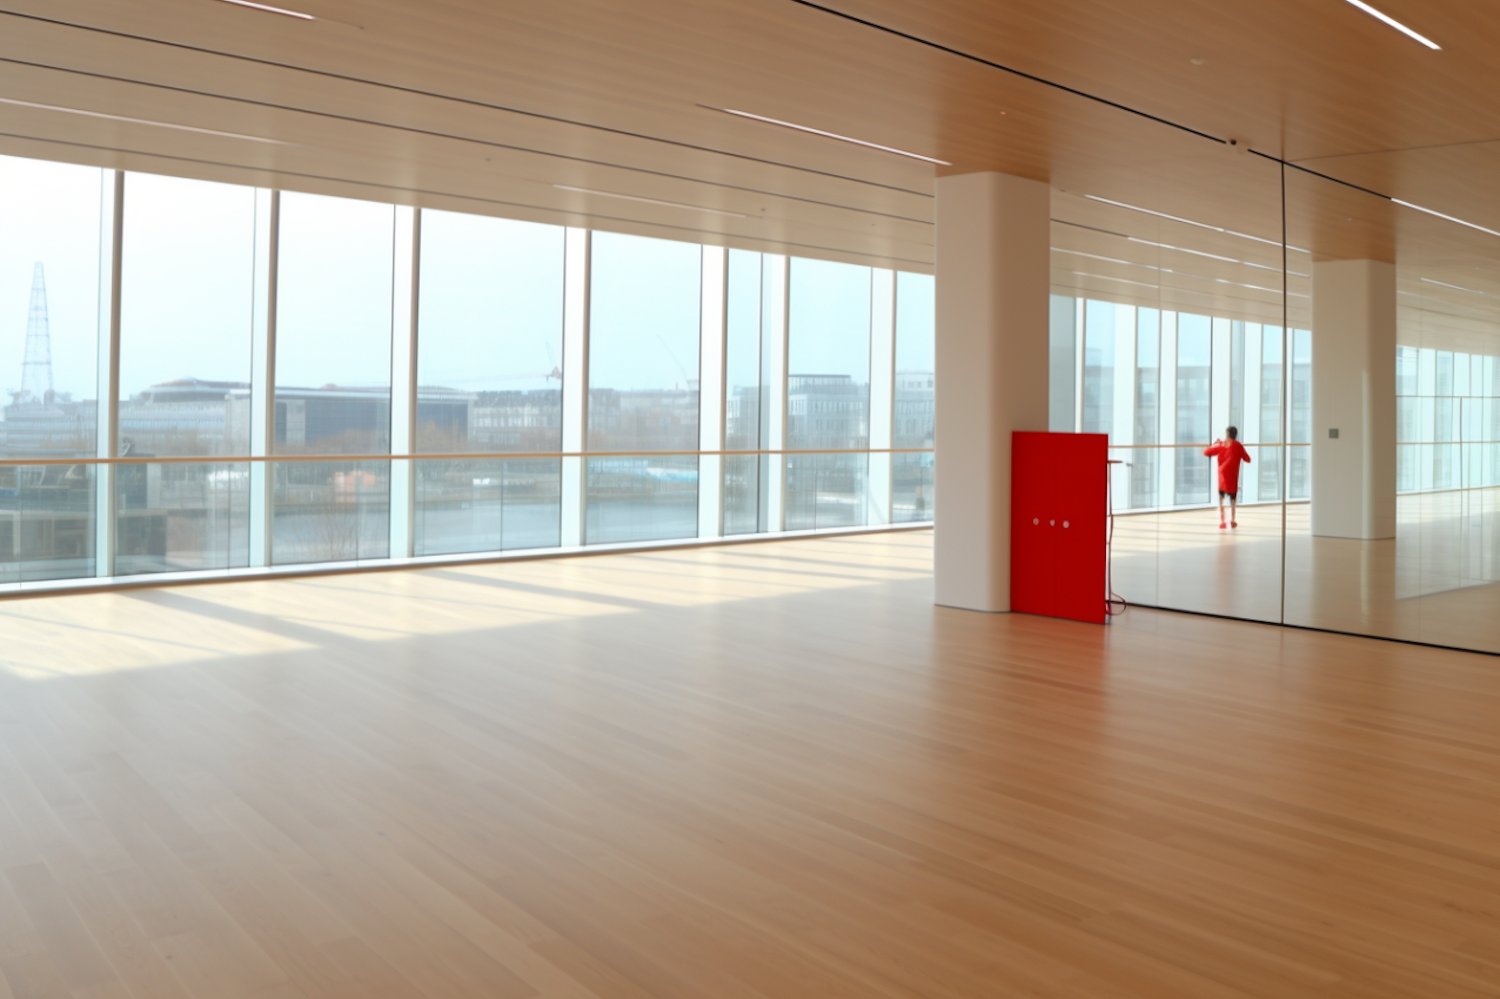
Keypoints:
pixel 645 315
pixel 52 264
pixel 828 394
pixel 186 318
pixel 744 392
pixel 915 399
pixel 489 379
pixel 333 379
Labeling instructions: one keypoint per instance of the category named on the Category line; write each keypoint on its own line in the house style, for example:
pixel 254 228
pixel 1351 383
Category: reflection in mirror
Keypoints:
pixel 1165 332
pixel 1400 538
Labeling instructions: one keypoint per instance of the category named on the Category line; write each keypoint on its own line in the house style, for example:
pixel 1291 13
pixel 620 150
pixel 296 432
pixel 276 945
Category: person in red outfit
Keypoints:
pixel 1230 453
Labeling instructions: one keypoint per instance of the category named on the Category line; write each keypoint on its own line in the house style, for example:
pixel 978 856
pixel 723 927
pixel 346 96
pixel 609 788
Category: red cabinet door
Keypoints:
pixel 1081 503
pixel 1058 522
pixel 1033 561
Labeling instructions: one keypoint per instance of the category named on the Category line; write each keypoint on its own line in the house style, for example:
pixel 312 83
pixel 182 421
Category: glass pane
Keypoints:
pixel 916 366
pixel 742 494
pixel 641 499
pixel 488 505
pixel 50 266
pixel 490 321
pixel 644 318
pixel 1062 376
pixel 173 517
pixel 330 511
pixel 912 498
pixel 744 392
pixel 46 522
pixel 828 357
pixel 826 490
pixel 186 313
pixel 333 326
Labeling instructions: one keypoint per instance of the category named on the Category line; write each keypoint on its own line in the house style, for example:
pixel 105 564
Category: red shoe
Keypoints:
pixel 1233 524
pixel 1221 525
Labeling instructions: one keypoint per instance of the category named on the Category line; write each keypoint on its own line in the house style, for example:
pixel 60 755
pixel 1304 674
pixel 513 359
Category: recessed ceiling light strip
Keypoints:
pixel 649 201
pixel 1394 23
pixel 271 10
pixel 830 135
pixel 1200 225
pixel 1450 218
pixel 142 121
pixel 1445 284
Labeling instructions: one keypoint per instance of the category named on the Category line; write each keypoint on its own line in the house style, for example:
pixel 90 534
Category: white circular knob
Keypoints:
pixel 1065 523
pixel 1036 520
pixel 1051 523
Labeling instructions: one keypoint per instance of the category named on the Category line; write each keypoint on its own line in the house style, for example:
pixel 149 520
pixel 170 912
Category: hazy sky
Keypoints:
pixel 916 322
pixel 829 319
pixel 187 287
pixel 491 302
pixel 49 212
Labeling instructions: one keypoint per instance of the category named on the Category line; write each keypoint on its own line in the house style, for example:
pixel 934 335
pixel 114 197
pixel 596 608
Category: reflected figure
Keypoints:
pixel 1230 454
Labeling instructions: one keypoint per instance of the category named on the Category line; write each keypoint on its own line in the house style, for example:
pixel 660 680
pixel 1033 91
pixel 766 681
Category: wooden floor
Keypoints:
pixel 760 771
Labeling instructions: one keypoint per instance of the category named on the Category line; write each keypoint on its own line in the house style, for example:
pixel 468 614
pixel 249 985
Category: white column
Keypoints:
pixel 992 330
pixel 107 411
pixel 711 392
pixel 261 406
pixel 1354 399
pixel 882 394
pixel 773 343
pixel 404 380
pixel 575 381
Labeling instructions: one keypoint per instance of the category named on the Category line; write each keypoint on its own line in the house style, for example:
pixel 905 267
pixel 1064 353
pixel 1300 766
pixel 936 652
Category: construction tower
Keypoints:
pixel 36 371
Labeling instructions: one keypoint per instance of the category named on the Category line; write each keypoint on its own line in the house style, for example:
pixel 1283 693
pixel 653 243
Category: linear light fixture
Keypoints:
pixel 1450 218
pixel 831 135
pixel 649 201
pixel 1215 256
pixel 1455 287
pixel 142 121
pixel 1163 270
pixel 1200 225
pixel 1394 23
pixel 271 10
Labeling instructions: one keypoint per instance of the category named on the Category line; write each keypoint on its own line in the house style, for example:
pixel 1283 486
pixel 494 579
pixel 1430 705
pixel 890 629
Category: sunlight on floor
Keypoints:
pixel 83 634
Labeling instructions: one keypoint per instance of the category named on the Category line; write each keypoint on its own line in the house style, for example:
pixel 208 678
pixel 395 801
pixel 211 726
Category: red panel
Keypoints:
pixel 1082 507
pixel 1058 520
pixel 1033 561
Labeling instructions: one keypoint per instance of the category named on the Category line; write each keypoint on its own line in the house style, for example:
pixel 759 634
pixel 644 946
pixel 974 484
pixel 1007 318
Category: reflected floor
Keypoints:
pixel 1433 583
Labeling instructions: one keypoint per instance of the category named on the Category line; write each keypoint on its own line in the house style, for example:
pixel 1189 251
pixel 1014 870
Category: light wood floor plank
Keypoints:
pixel 754 772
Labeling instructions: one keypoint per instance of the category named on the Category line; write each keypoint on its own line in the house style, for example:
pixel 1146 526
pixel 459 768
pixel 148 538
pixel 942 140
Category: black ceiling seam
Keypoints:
pixel 417 91
pixel 981 60
pixel 449 135
pixel 457 197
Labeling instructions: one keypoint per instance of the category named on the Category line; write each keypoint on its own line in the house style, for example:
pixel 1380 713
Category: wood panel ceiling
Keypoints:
pixel 498 107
